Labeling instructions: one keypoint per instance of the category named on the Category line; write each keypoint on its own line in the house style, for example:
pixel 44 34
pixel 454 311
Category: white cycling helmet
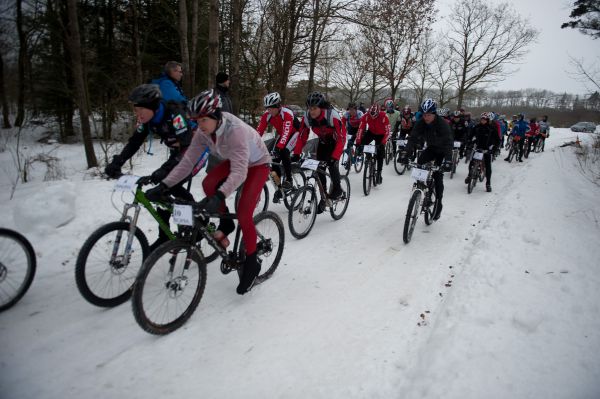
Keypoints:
pixel 272 100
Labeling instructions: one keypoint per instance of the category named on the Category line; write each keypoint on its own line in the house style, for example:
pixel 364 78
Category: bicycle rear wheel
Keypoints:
pixel 472 179
pixel 303 212
pixel 454 163
pixel 101 276
pixel 339 206
pixel 169 287
pixel 269 248
pixel 17 267
pixel 412 214
pixel 298 180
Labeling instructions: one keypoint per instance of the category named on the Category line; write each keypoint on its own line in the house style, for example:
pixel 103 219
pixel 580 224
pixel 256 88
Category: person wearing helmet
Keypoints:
pixel 519 130
pixel 407 122
pixel 544 130
pixel 459 130
pixel 326 123
pixel 246 160
pixel 532 136
pixel 436 132
pixel 166 120
pixel 283 121
pixel 394 117
pixel 351 120
pixel 378 130
pixel 485 138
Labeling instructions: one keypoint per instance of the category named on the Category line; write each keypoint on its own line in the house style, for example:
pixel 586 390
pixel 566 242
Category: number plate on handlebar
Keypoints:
pixel 311 164
pixel 370 149
pixel 419 174
pixel 478 155
pixel 183 215
pixel 126 183
pixel 457 144
pixel 401 143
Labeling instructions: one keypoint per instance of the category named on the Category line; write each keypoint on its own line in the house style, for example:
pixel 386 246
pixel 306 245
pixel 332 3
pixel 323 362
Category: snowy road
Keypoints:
pixel 497 299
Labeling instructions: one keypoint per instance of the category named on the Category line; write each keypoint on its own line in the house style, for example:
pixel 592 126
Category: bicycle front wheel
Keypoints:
pixel 169 287
pixel 298 180
pixel 17 267
pixel 105 271
pixel 399 167
pixel 339 206
pixel 431 207
pixel 367 176
pixel 412 214
pixel 359 162
pixel 303 212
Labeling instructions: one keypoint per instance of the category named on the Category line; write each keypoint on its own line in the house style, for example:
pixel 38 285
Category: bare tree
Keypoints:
pixel 213 41
pixel 80 87
pixel 587 74
pixel 22 61
pixel 349 70
pixel 485 39
pixel 585 17
pixel 6 121
pixel 421 79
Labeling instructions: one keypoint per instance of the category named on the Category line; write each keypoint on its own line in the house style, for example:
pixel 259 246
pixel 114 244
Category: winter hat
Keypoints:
pixel 222 77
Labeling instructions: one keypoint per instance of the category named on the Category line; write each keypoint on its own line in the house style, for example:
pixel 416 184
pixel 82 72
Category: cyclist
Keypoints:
pixel 246 160
pixel 394 117
pixel 351 120
pixel 326 123
pixel 520 128
pixel 533 135
pixel 378 130
pixel 485 137
pixel 544 130
pixel 154 116
pixel 284 122
pixel 459 129
pixel 436 132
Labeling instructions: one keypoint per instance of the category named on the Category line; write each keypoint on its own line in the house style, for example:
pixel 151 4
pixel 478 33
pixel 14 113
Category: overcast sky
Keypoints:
pixel 547 62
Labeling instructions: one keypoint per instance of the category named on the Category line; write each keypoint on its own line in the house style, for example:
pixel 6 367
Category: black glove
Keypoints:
pixel 295 158
pixel 158 193
pixel 158 175
pixel 113 169
pixel 145 180
pixel 213 203
pixel 447 166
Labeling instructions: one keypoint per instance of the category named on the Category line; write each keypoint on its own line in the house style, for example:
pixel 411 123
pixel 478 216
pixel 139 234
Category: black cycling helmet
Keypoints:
pixel 146 96
pixel 316 99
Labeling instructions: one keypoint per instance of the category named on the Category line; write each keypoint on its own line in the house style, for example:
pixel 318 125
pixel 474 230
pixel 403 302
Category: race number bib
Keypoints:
pixel 370 149
pixel 478 156
pixel 401 143
pixel 457 144
pixel 183 215
pixel 311 164
pixel 126 183
pixel 419 174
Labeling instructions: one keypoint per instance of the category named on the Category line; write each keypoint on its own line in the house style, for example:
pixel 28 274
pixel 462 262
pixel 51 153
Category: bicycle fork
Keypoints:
pixel 131 233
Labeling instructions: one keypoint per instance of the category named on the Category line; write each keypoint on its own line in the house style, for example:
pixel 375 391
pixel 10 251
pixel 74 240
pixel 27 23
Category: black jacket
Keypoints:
pixel 485 136
pixel 170 125
pixel 225 98
pixel 437 135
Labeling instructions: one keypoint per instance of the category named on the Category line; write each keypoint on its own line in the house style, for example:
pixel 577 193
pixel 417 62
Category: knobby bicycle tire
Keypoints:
pixel 10 271
pixel 412 214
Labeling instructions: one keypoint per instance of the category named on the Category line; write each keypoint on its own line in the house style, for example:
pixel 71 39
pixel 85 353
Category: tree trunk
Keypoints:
pixel 193 49
pixel 313 46
pixel 80 89
pixel 22 60
pixel 237 7
pixel 213 42
pixel 5 120
pixel 184 46
pixel 135 42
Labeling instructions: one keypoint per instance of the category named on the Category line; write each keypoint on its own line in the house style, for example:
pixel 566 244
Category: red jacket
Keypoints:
pixel 328 126
pixel 282 122
pixel 379 126
pixel 534 129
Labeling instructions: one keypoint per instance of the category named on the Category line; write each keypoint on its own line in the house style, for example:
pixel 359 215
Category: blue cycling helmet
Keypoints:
pixel 429 106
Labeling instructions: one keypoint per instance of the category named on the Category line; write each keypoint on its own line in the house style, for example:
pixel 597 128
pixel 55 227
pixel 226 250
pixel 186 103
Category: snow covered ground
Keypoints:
pixel 498 299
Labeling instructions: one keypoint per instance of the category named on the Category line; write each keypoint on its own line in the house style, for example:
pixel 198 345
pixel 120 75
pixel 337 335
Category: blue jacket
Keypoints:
pixel 171 90
pixel 520 128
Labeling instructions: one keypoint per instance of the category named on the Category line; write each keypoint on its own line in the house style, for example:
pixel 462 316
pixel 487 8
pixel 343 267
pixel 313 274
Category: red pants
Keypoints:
pixel 255 180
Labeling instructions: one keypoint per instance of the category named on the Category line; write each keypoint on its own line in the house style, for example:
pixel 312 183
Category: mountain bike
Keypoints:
pixel 539 144
pixel 389 151
pixel 351 156
pixel 455 154
pixel 476 170
pixel 171 282
pixel 513 149
pixel 370 172
pixel 303 211
pixel 111 257
pixel 17 267
pixel 423 198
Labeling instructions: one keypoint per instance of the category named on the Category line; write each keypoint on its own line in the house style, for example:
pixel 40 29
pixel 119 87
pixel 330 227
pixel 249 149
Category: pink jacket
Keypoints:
pixel 236 141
